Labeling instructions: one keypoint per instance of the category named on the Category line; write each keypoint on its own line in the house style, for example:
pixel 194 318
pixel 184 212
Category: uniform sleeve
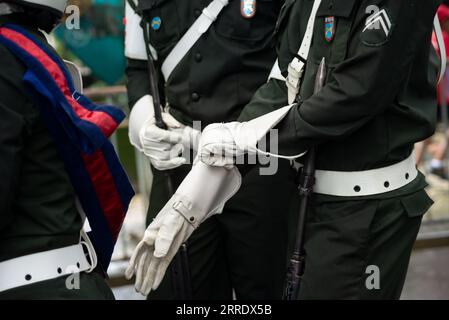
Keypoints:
pixel 138 83
pixel 12 127
pixel 269 97
pixel 368 80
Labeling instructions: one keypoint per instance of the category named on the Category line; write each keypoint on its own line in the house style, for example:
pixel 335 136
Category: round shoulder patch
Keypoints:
pixel 378 28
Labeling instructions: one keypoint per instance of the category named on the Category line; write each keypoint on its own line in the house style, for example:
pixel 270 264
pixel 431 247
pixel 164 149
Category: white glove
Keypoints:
pixel 190 137
pixel 163 147
pixel 222 143
pixel 203 193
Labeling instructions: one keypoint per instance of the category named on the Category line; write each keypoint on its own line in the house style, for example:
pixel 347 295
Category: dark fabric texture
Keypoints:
pixel 343 239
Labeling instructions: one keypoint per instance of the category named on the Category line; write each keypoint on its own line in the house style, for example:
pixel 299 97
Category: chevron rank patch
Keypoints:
pixel 377 29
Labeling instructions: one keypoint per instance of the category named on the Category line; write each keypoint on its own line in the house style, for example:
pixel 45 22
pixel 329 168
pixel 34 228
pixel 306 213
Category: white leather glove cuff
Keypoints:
pixel 205 191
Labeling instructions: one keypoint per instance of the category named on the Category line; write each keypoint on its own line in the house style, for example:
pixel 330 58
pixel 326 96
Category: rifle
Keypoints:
pixel 180 270
pixel 296 266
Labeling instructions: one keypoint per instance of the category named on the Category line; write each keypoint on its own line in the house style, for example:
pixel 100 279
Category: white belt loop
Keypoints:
pixel 85 241
pixel 366 183
pixel 209 15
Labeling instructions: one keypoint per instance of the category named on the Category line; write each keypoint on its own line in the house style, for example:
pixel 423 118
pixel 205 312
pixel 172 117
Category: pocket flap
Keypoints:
pixel 337 8
pixel 417 204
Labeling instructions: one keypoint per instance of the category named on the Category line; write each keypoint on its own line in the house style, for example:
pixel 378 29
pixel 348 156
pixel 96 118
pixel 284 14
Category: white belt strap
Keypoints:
pixel 199 27
pixel 366 183
pixel 296 67
pixel 441 45
pixel 43 266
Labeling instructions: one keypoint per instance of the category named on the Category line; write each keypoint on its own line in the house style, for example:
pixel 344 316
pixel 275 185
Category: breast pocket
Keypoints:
pixel 330 40
pixel 162 17
pixel 248 19
pixel 332 30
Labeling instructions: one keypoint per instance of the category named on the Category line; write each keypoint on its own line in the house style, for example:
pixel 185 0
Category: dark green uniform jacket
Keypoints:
pixel 222 71
pixel 37 201
pixel 380 93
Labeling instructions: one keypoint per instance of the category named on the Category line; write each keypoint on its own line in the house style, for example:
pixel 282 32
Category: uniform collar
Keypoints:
pixel 19 19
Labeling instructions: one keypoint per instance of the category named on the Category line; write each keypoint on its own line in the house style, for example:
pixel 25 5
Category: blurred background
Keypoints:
pixel 98 47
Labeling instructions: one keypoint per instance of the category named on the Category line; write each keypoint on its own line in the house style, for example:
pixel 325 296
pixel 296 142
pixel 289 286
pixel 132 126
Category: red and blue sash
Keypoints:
pixel 81 130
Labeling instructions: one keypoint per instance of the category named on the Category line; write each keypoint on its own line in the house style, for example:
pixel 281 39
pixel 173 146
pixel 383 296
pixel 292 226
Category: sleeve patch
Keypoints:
pixel 377 29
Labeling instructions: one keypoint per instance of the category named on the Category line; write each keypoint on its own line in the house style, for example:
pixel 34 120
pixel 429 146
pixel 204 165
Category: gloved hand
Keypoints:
pixel 203 193
pixel 222 143
pixel 163 147
pixel 190 137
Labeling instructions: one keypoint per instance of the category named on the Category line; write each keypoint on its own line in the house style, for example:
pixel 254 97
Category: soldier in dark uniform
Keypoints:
pixel 379 99
pixel 244 249
pixel 40 224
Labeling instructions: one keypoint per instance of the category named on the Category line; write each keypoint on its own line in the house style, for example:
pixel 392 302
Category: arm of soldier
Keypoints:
pixel 138 85
pixel 365 83
pixel 269 97
pixel 161 146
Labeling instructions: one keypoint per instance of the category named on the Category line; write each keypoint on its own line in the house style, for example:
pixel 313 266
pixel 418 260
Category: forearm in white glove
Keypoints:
pixel 202 194
pixel 222 143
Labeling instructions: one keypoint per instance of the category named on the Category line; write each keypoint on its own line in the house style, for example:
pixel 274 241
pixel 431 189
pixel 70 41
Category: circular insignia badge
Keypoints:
pixel 156 23
pixel 248 8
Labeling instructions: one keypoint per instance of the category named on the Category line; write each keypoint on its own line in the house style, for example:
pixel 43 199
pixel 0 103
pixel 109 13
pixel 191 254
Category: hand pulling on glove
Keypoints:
pixel 222 143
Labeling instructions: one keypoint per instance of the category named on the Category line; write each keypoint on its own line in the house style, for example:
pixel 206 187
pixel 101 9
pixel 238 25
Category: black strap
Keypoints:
pixel 133 6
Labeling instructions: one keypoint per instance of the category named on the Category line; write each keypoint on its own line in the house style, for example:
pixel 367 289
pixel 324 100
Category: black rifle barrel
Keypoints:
pixel 296 266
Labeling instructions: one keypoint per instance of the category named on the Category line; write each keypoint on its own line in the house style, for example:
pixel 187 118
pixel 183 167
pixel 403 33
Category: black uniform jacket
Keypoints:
pixel 222 71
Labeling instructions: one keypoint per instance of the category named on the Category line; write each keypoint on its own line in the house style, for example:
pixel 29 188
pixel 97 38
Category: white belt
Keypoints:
pixel 43 266
pixel 366 183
